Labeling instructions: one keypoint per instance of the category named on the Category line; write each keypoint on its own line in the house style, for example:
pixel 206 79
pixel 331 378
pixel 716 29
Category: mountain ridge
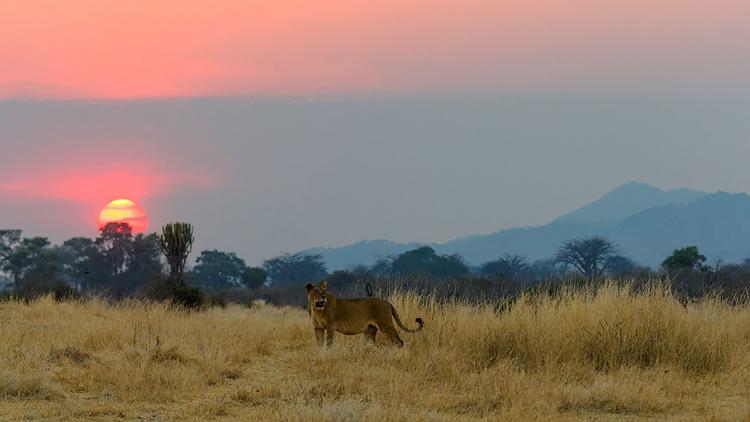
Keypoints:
pixel 647 224
pixel 629 199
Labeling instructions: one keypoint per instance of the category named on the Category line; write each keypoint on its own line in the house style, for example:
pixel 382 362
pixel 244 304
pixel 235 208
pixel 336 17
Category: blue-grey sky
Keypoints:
pixel 264 176
pixel 277 126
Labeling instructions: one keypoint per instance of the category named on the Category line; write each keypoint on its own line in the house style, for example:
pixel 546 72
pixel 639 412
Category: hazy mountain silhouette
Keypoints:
pixel 365 252
pixel 719 224
pixel 645 222
pixel 628 200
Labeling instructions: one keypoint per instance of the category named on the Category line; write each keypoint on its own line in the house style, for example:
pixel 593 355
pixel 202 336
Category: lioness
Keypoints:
pixel 352 316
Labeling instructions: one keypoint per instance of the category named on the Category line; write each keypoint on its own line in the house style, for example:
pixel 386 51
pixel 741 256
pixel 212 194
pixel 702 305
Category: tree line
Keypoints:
pixel 120 263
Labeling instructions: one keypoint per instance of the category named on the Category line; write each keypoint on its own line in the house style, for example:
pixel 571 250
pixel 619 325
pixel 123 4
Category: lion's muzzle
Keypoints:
pixel 320 304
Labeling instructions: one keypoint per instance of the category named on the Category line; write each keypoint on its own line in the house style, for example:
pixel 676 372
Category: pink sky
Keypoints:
pixel 137 49
pixel 56 177
pixel 91 170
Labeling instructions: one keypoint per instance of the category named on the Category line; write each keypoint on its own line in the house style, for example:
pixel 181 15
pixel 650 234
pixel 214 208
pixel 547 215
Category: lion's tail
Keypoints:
pixel 400 324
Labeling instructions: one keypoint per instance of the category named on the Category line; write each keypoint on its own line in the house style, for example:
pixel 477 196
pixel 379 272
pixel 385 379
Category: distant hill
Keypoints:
pixel 645 222
pixel 719 224
pixel 365 252
pixel 533 242
pixel 627 200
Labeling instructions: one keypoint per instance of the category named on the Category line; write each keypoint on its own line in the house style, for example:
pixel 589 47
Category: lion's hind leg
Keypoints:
pixel 390 331
pixel 370 333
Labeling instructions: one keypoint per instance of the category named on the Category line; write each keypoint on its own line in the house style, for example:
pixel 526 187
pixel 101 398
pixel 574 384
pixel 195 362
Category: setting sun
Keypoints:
pixel 124 211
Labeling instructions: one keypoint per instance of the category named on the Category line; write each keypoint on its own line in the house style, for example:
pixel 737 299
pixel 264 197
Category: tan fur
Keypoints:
pixel 330 314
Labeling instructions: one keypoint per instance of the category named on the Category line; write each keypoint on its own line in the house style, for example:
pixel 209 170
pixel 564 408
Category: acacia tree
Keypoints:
pixel 590 256
pixel 687 258
pixel 9 239
pixel 619 265
pixel 24 256
pixel 176 241
pixel 114 243
pixel 78 254
pixel 425 261
pixel 295 268
pixel 120 262
pixel 217 269
pixel 545 269
pixel 253 277
pixel 508 267
pixel 144 264
pixel 44 273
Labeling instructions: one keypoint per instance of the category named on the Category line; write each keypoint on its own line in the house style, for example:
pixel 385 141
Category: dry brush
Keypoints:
pixel 606 353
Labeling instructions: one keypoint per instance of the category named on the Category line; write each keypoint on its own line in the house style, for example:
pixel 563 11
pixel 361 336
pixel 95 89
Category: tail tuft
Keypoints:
pixel 398 322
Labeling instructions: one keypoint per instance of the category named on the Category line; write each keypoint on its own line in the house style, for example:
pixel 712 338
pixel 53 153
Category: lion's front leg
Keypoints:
pixel 319 333
pixel 329 335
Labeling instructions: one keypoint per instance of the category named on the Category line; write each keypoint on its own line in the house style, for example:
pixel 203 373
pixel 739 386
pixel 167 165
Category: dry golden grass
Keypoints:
pixel 606 355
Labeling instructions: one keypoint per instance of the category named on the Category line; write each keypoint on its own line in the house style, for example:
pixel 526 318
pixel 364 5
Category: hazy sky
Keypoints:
pixel 276 126
pixel 140 48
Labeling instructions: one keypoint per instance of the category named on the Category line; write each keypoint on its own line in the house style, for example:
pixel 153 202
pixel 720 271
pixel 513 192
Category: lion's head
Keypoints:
pixel 317 297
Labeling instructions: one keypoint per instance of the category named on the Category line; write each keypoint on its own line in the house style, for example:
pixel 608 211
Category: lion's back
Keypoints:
pixel 362 310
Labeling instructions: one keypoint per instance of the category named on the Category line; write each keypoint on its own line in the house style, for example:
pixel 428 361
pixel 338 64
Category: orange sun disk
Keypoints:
pixel 124 211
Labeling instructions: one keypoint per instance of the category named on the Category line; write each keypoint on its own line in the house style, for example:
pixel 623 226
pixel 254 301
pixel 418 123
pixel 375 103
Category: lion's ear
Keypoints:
pixel 323 285
pixel 308 286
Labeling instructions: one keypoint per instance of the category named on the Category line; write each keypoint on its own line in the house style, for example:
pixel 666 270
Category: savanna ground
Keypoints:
pixel 606 355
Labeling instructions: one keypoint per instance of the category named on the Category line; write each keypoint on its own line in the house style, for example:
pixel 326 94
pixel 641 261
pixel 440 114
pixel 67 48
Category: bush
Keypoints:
pixel 223 297
pixel 166 289
pixel 59 290
pixel 189 297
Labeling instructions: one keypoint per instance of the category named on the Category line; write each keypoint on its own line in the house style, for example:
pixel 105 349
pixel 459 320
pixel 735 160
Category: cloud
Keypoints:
pixel 102 184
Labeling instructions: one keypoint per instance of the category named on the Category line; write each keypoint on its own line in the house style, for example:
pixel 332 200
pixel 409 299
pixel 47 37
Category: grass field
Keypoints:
pixel 609 355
